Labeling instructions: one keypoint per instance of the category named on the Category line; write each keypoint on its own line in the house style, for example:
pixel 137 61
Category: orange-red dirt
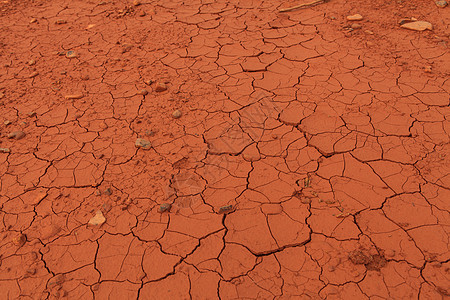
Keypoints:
pixel 221 149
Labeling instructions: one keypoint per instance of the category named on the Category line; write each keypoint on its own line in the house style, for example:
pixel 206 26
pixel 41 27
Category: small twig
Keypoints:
pixel 302 5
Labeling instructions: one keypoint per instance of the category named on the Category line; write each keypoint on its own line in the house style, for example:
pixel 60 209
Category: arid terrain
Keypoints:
pixel 213 149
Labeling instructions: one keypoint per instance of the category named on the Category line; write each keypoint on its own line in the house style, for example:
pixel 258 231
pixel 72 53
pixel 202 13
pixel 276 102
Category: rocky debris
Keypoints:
pixel 226 209
pixel 148 82
pixel 427 69
pixel 5 150
pixel 160 87
pixel 98 219
pixel 60 22
pixel 34 74
pixel 7 122
pixel 176 114
pixel 143 143
pixel 142 92
pixel 418 26
pixel 108 191
pixel 71 54
pixel 368 32
pixel 20 240
pixel 17 135
pixel 356 26
pixel 164 207
pixel 355 17
pixel 73 96
pixel 441 3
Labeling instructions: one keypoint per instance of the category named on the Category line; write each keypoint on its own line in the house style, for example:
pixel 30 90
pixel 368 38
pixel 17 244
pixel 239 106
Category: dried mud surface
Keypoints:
pixel 306 159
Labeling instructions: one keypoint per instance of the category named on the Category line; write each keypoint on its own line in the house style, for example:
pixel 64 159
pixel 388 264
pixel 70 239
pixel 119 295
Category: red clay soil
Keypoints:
pixel 221 149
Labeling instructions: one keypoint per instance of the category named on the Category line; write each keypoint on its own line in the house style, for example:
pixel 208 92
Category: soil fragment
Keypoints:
pixel 98 219
pixel 164 207
pixel 143 143
pixel 355 17
pixel 418 26
pixel 17 135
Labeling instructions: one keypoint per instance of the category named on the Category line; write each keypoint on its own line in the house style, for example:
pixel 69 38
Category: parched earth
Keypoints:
pixel 222 149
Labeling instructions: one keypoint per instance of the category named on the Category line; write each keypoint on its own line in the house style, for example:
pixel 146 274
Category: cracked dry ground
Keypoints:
pixel 330 145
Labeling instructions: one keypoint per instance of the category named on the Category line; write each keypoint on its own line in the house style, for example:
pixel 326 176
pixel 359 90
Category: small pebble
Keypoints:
pixel 107 191
pixel 356 26
pixel 368 31
pixel 31 114
pixel 418 26
pixel 4 150
pixel 427 69
pixel 73 96
pixel 34 74
pixel 16 135
pixel 20 240
pixel 142 14
pixel 148 82
pixel 60 21
pixel 2 95
pixel 441 3
pixel 356 17
pixel 31 62
pixel 98 219
pixel 7 122
pixel 71 54
pixel 142 92
pixel 164 207
pixel 176 114
pixel 143 143
pixel 225 209
pixel 160 87
pixel 369 43
pixel 136 3
pixel 33 20
pixel 90 26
